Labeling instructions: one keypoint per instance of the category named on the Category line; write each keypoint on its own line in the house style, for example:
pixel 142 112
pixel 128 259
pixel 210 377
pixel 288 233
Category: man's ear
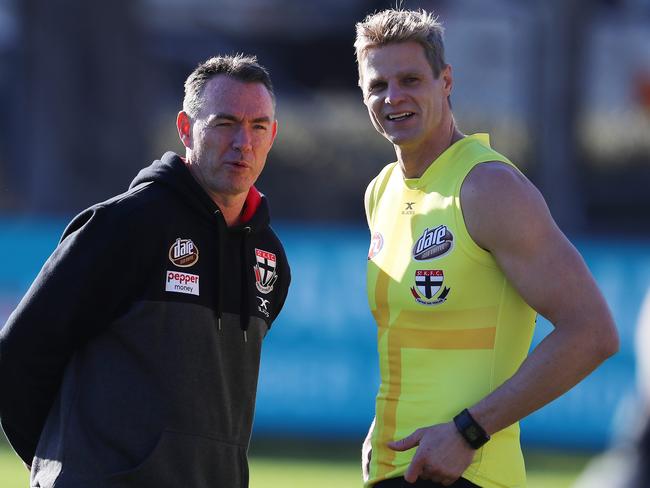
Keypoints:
pixel 184 126
pixel 274 128
pixel 448 79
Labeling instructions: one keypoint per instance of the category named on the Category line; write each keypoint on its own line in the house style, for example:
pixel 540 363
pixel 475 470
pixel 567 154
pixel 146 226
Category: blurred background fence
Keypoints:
pixel 319 368
pixel 89 93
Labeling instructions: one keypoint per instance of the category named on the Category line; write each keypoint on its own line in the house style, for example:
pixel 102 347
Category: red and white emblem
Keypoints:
pixel 427 285
pixel 265 270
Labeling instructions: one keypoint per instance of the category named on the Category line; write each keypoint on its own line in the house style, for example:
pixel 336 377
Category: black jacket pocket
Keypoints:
pixel 188 460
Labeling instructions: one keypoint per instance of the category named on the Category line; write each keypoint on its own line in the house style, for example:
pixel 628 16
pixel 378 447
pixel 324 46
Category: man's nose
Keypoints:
pixel 394 94
pixel 243 140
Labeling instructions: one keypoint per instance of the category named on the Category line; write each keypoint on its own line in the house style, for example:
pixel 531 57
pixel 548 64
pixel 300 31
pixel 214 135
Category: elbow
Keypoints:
pixel 608 343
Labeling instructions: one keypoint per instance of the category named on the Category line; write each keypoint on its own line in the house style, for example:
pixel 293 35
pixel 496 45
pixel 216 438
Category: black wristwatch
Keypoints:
pixel 470 429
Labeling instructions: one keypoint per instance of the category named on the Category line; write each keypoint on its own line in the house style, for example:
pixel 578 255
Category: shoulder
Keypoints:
pixel 271 237
pixel 130 212
pixel 141 198
pixel 498 201
pixel 376 186
pixel 486 178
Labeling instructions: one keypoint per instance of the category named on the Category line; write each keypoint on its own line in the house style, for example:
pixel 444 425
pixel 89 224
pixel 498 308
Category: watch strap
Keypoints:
pixel 470 429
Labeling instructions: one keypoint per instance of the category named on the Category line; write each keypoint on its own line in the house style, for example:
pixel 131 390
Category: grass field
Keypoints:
pixel 293 464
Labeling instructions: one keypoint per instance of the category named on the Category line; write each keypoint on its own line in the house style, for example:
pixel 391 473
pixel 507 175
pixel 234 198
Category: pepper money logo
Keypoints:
pixel 183 253
pixel 433 243
pixel 179 282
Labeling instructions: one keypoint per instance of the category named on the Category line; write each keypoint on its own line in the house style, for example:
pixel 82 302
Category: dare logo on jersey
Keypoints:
pixel 183 253
pixel 428 283
pixel 433 243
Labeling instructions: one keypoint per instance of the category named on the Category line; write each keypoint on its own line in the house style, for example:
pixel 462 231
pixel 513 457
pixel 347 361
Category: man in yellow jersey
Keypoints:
pixel 463 255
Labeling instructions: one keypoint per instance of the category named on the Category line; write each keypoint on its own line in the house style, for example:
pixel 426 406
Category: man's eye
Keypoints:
pixel 375 87
pixel 259 127
pixel 410 80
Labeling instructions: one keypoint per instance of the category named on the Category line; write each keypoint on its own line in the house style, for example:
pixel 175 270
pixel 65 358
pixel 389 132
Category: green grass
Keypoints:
pixel 13 473
pixel 308 464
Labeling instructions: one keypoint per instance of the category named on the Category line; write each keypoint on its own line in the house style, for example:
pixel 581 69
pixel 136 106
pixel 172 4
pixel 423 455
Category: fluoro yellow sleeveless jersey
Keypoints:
pixel 451 328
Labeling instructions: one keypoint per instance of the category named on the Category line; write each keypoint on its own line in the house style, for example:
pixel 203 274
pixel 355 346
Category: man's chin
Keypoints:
pixel 230 190
pixel 400 139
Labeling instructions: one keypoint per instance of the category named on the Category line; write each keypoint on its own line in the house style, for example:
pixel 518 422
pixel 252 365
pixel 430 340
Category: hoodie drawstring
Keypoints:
pixel 244 312
pixel 244 309
pixel 220 246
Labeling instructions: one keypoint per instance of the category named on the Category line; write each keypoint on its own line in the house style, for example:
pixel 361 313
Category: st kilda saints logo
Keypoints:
pixel 433 243
pixel 265 270
pixel 183 253
pixel 428 283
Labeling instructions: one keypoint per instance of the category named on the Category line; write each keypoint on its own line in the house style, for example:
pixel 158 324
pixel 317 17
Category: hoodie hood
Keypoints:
pixel 171 171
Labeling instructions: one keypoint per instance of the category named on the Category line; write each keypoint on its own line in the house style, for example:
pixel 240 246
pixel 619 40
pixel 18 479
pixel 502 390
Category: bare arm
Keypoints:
pixel 507 216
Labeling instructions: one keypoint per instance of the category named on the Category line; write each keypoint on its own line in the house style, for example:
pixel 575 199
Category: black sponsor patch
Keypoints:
pixel 433 243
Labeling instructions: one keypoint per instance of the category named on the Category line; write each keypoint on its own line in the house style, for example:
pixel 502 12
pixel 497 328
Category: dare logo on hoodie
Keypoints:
pixel 183 253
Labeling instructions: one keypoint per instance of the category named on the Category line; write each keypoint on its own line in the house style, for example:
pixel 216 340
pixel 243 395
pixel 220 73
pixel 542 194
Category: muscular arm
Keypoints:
pixel 506 215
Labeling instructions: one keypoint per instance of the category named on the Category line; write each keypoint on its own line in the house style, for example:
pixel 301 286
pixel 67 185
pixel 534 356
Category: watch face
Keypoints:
pixel 472 432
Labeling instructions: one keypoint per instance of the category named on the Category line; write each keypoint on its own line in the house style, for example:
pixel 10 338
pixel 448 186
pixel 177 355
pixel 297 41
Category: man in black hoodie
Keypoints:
pixel 133 359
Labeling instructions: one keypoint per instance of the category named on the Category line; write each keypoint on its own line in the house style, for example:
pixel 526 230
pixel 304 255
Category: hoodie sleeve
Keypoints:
pixel 285 278
pixel 80 289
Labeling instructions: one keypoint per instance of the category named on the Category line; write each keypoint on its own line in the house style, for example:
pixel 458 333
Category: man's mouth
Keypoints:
pixel 399 116
pixel 239 164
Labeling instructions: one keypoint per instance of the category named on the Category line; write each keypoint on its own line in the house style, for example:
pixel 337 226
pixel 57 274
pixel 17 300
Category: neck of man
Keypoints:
pixel 414 160
pixel 231 206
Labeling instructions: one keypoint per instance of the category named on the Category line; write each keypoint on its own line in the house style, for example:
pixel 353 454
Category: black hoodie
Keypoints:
pixel 133 359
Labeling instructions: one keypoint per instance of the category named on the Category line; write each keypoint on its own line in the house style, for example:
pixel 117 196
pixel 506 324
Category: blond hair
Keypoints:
pixel 396 25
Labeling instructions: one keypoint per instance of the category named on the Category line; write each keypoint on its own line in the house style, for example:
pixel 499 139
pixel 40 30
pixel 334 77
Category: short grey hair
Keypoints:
pixel 396 25
pixel 241 67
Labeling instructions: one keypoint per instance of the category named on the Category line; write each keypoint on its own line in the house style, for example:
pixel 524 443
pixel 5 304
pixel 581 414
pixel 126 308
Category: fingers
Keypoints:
pixel 407 443
pixel 429 472
pixel 417 463
pixel 439 457
pixel 415 468
pixel 423 468
pixel 444 481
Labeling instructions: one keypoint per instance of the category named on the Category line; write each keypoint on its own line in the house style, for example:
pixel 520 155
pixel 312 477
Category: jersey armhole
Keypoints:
pixel 375 188
pixel 469 245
